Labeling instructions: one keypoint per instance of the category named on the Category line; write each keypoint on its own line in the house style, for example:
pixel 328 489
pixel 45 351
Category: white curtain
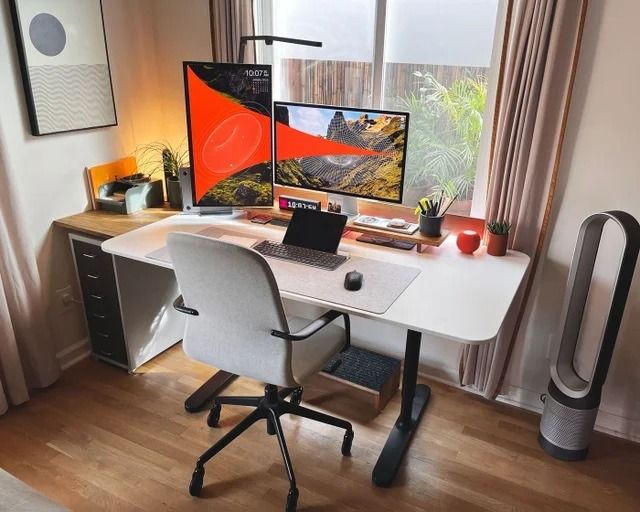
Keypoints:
pixel 27 355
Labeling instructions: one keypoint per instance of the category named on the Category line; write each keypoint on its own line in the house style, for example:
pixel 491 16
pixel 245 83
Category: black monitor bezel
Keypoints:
pixel 196 204
pixel 351 109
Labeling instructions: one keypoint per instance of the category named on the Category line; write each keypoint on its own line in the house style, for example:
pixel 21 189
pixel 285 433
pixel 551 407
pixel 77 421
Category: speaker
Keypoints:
pixel 571 404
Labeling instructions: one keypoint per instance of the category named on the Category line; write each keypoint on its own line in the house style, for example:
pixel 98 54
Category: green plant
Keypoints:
pixel 498 228
pixel 446 124
pixel 161 156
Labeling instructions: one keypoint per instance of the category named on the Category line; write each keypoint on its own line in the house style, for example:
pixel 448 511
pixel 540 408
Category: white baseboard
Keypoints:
pixel 74 353
pixel 609 423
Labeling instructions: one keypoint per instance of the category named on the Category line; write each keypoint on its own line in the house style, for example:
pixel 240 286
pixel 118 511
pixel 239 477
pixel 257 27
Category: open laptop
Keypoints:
pixel 312 238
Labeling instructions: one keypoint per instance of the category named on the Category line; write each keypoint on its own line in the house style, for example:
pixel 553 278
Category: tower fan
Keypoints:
pixel 571 404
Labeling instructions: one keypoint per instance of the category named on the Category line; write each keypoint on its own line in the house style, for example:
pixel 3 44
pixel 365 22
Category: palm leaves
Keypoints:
pixel 446 124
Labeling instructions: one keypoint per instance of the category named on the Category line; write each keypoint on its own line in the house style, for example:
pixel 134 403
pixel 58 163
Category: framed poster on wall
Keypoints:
pixel 64 63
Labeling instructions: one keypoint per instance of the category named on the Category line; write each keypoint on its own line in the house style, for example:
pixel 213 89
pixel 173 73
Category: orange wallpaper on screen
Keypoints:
pixel 228 138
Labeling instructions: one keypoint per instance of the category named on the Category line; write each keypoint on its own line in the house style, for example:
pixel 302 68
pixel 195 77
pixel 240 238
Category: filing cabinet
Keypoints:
pixel 97 281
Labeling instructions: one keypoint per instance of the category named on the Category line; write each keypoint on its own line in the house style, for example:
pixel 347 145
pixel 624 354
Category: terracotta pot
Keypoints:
pixel 497 244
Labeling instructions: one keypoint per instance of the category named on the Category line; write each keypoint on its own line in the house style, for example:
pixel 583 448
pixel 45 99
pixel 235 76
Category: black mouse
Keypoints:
pixel 353 280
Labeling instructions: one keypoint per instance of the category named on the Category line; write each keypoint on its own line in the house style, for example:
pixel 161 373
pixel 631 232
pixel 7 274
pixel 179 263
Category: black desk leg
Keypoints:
pixel 414 401
pixel 201 397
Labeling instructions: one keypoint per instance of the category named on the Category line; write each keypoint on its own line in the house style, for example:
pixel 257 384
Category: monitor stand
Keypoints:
pixel 216 210
pixel 348 205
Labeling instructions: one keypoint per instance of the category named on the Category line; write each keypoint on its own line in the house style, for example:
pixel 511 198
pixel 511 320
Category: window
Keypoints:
pixel 435 59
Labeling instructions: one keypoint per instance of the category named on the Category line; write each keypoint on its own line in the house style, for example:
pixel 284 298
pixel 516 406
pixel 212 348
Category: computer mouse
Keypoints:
pixel 353 280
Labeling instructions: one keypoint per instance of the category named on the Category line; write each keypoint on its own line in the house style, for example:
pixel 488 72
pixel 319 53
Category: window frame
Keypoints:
pixel 263 16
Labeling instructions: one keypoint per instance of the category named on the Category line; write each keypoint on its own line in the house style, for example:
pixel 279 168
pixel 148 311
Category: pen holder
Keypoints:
pixel 431 226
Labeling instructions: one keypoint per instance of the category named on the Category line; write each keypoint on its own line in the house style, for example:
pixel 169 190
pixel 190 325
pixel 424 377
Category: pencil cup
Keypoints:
pixel 431 226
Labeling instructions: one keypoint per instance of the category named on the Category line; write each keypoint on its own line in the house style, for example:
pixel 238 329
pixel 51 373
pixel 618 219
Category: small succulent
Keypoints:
pixel 498 228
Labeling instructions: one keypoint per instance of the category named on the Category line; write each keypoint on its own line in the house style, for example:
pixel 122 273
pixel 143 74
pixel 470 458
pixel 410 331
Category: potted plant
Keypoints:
pixel 163 157
pixel 497 237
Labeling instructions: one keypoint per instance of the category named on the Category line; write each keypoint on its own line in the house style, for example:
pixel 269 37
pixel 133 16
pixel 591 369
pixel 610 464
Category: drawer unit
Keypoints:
pixel 100 298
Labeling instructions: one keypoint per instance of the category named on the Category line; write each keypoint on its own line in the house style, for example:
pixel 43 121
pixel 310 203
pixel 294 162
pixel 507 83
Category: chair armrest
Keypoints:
pixel 178 305
pixel 313 327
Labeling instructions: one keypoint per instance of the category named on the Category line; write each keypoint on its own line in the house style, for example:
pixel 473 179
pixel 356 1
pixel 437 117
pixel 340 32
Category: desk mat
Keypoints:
pixel 382 284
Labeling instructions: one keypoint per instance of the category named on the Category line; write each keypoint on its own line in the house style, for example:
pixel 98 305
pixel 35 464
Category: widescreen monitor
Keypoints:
pixel 229 131
pixel 340 150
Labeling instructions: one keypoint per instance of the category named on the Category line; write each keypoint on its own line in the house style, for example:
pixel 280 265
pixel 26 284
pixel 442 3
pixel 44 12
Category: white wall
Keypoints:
pixel 600 170
pixel 181 32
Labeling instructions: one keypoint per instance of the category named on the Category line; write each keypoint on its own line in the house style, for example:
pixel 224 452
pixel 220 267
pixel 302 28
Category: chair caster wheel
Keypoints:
pixel 195 487
pixel 292 500
pixel 214 415
pixel 347 441
pixel 296 397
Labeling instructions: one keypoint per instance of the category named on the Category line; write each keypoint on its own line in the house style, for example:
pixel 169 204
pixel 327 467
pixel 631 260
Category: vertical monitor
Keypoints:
pixel 341 150
pixel 229 131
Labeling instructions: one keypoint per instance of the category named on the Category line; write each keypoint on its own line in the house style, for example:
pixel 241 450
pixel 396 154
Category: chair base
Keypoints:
pixel 268 407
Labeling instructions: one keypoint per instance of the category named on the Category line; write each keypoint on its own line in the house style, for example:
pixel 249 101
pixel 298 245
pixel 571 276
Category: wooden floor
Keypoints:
pixel 103 440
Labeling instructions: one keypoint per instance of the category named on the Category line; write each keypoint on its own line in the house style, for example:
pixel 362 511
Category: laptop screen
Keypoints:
pixel 314 229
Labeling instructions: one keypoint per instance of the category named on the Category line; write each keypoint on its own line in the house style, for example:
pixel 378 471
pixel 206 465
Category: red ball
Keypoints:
pixel 468 241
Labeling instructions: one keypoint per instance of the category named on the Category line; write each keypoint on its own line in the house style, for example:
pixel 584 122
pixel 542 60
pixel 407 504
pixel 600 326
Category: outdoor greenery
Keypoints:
pixel 498 228
pixel 444 134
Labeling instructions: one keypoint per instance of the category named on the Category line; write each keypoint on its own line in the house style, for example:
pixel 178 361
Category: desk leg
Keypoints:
pixel 414 401
pixel 201 397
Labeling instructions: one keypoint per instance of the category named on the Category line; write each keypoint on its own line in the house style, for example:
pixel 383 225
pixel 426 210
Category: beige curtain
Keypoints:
pixel 542 48
pixel 27 355
pixel 231 19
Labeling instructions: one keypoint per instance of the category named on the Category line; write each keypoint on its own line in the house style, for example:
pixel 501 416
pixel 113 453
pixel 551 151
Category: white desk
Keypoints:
pixel 458 297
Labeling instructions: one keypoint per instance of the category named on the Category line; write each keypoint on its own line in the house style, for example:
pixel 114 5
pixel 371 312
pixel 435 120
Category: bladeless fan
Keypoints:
pixel 571 405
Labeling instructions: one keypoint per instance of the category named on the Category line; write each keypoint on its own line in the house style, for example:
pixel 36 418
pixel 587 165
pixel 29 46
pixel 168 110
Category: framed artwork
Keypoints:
pixel 64 63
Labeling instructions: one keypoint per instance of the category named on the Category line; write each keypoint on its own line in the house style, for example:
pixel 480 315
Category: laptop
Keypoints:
pixel 312 238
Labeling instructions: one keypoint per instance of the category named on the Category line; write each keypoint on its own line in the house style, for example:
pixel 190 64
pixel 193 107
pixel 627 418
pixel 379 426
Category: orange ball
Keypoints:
pixel 468 241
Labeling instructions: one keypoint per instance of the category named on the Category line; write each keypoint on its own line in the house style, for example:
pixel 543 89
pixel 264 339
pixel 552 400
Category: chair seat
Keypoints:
pixel 311 355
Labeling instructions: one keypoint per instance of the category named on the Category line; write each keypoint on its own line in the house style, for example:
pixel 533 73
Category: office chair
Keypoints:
pixel 236 322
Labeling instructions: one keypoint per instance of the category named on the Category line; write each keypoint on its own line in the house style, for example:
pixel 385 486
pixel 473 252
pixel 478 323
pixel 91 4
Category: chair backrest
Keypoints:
pixel 237 298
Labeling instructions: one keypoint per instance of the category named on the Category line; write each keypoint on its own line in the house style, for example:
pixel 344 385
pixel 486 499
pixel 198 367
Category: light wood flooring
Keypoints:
pixel 100 439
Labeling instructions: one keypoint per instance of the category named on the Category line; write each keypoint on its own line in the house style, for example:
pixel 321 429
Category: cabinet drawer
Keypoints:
pixel 108 344
pixel 91 259
pixel 98 285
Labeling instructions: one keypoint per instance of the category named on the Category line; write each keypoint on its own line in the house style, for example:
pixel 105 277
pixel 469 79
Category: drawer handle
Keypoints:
pixel 105 353
pixel 96 297
pixel 103 335
pixel 101 317
pixel 93 276
pixel 89 255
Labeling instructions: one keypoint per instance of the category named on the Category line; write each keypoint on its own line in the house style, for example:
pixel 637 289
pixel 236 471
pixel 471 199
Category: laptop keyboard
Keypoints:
pixel 302 255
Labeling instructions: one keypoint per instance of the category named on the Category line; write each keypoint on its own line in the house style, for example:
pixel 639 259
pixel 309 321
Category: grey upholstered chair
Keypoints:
pixel 237 323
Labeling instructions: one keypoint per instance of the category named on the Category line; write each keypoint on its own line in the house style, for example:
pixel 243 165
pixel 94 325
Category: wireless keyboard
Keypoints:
pixel 302 255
